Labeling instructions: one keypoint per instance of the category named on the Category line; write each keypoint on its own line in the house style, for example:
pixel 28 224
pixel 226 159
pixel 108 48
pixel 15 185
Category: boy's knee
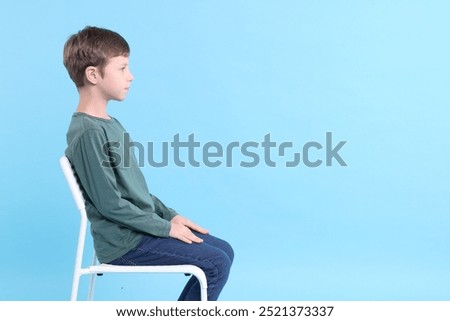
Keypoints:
pixel 220 263
pixel 229 250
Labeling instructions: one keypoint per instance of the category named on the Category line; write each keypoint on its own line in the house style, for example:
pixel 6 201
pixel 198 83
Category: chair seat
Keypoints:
pixel 109 268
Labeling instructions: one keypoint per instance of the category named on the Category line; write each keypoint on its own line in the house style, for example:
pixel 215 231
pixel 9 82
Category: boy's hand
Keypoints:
pixel 181 229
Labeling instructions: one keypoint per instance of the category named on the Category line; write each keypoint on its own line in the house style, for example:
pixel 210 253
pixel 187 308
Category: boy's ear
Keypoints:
pixel 92 74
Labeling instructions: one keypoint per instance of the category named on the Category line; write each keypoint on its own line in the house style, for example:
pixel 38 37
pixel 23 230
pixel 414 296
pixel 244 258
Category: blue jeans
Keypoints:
pixel 214 256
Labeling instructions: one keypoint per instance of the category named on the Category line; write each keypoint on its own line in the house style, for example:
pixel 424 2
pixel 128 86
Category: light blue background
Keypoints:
pixel 375 73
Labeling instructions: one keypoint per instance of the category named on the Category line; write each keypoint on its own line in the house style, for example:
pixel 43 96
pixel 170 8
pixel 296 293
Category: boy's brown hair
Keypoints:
pixel 92 46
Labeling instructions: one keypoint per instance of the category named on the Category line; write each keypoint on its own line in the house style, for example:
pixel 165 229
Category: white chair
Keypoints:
pixel 97 268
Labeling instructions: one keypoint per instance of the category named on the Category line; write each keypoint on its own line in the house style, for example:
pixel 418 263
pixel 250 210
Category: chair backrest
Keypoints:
pixel 74 187
pixel 69 174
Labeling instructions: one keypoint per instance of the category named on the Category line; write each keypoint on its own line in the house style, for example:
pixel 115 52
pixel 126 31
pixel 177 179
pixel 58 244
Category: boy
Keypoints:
pixel 128 224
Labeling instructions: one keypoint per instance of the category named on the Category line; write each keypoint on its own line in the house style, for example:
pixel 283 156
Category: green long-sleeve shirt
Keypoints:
pixel 119 206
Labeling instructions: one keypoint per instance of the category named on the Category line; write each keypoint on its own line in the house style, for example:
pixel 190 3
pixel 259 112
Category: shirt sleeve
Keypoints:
pixel 100 184
pixel 162 210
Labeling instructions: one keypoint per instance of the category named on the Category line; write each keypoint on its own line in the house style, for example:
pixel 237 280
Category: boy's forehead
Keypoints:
pixel 119 60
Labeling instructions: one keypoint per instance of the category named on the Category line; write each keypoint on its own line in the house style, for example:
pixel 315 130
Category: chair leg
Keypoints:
pixel 201 277
pixel 92 280
pixel 203 294
pixel 91 287
pixel 75 286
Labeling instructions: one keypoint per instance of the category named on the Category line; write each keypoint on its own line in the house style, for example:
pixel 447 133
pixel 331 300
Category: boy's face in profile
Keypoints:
pixel 116 80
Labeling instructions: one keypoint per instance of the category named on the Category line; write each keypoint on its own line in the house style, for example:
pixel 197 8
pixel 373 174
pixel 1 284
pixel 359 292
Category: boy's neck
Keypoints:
pixel 92 105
